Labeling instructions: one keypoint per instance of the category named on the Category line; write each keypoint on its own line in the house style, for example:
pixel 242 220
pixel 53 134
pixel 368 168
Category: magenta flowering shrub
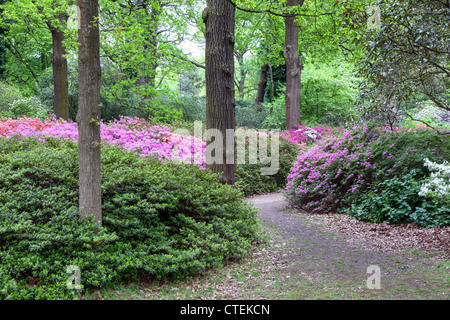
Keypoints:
pixel 159 142
pixel 127 133
pixel 305 135
pixel 335 171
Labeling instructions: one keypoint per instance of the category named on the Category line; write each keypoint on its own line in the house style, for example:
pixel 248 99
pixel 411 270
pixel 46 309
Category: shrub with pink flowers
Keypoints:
pixel 157 141
pixel 127 133
pixel 305 135
pixel 335 171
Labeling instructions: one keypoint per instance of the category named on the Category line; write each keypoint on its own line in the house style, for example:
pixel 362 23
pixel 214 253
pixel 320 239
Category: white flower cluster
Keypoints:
pixel 438 184
pixel 312 134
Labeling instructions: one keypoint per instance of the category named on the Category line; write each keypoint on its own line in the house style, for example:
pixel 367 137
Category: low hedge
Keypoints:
pixel 159 219
pixel 250 180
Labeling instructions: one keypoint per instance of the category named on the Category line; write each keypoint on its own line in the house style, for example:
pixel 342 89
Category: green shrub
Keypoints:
pixel 250 180
pixel 249 115
pixel 396 201
pixel 159 219
pixel 335 172
pixel 276 110
pixel 30 107
pixel 8 94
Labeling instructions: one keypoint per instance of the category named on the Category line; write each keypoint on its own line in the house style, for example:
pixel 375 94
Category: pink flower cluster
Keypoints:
pixel 329 166
pixel 300 137
pixel 127 133
pixel 8 125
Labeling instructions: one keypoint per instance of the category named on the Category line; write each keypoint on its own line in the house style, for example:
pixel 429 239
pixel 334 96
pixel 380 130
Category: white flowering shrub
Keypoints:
pixel 438 184
pixel 312 134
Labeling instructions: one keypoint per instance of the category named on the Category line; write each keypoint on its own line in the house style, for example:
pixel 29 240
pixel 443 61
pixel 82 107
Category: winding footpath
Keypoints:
pixel 308 261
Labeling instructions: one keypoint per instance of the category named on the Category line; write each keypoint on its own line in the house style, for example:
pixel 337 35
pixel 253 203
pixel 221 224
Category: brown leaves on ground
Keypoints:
pixel 385 236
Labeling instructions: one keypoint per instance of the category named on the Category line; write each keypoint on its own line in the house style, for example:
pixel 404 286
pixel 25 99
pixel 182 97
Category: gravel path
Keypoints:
pixel 311 260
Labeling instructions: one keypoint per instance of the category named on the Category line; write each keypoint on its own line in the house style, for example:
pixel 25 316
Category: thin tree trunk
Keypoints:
pixel 293 70
pixel 88 117
pixel 219 17
pixel 242 74
pixel 148 68
pixel 60 73
pixel 262 85
pixel 272 92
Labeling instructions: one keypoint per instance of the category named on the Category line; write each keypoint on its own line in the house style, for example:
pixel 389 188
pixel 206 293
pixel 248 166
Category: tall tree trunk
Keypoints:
pixel 88 117
pixel 59 64
pixel 148 68
pixel 242 74
pixel 293 69
pixel 219 18
pixel 262 85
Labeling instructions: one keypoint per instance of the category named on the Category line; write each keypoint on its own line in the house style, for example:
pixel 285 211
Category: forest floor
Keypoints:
pixel 319 257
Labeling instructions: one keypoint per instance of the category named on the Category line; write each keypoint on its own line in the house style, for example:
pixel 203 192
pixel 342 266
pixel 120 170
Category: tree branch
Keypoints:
pixel 278 14
pixel 198 65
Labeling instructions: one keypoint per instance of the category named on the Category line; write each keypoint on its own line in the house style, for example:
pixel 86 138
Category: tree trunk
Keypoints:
pixel 242 74
pixel 262 85
pixel 219 18
pixel 88 117
pixel 293 70
pixel 59 64
pixel 148 68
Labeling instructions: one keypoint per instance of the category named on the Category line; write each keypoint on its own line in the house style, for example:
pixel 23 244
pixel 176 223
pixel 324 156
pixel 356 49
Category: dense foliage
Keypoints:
pixel 406 58
pixel 162 143
pixel 160 219
pixel 249 178
pixel 398 201
pixel 334 173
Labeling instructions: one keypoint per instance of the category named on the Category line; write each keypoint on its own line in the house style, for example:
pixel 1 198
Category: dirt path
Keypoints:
pixel 309 260
pixel 318 257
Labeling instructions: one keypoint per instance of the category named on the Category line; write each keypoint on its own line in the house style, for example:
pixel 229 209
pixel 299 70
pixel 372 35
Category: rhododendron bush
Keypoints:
pixel 128 133
pixel 305 135
pixel 159 142
pixel 334 172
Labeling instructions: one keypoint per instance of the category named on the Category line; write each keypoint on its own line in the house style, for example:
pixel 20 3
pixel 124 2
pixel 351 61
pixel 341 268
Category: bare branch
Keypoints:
pixel 198 65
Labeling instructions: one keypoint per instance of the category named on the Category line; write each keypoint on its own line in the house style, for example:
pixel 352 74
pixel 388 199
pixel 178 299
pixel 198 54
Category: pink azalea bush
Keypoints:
pixel 161 143
pixel 128 133
pixel 335 171
pixel 25 124
pixel 305 135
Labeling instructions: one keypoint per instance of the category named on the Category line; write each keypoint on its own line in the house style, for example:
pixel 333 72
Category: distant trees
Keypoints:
pixel 293 14
pixel 27 23
pixel 139 42
pixel 3 48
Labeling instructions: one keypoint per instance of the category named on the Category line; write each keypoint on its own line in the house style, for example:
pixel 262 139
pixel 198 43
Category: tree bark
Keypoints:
pixel 242 74
pixel 262 85
pixel 88 117
pixel 149 68
pixel 60 72
pixel 293 70
pixel 219 18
